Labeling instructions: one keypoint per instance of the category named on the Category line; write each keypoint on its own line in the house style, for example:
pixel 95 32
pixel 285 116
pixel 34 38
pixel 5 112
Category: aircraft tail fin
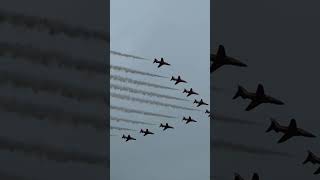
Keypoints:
pixel 274 126
pixel 241 92
pixel 161 125
pixel 123 136
pixel 141 131
pixel 309 158
pixel 195 101
pixel 172 78
pixel 185 91
pixel 155 60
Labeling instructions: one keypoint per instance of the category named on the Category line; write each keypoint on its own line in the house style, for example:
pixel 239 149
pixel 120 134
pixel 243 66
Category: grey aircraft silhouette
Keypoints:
pixel 190 92
pixel 146 132
pixel 220 59
pixel 166 126
pixel 161 62
pixel 200 103
pixel 257 98
pixel 312 158
pixel 188 120
pixel 289 131
pixel 178 80
pixel 238 177
pixel 128 138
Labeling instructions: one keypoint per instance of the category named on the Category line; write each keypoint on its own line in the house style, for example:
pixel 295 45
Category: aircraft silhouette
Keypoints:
pixel 221 59
pixel 289 131
pixel 128 138
pixel 238 177
pixel 207 112
pixel 161 62
pixel 188 120
pixel 166 126
pixel 312 158
pixel 146 132
pixel 178 80
pixel 190 92
pixel 257 98
pixel 199 102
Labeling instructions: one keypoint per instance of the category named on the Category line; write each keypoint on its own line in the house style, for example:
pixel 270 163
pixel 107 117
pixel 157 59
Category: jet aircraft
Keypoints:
pixel 128 138
pixel 146 132
pixel 190 92
pixel 161 62
pixel 289 131
pixel 257 98
pixel 188 120
pixel 220 59
pixel 166 126
pixel 201 102
pixel 178 80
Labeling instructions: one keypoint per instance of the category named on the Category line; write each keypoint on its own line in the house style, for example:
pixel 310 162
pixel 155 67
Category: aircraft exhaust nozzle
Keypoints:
pixel 241 92
pixel 273 126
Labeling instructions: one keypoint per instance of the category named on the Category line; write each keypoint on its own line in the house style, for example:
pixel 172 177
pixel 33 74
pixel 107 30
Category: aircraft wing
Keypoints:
pixel 176 82
pixel 160 65
pixel 285 137
pixel 252 105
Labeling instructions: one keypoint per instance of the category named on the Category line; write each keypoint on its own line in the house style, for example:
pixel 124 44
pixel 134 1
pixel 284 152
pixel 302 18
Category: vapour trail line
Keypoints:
pixel 128 110
pixel 129 70
pixel 142 92
pixel 53 26
pixel 137 82
pixel 51 152
pixel 37 55
pixel 112 118
pixel 127 55
pixel 126 97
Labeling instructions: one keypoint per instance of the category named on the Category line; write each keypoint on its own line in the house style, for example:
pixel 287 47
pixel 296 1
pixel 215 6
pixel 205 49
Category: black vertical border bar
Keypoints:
pixel 32 145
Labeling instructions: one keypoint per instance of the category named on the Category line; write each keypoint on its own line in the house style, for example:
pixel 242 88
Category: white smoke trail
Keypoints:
pixel 127 110
pixel 121 128
pixel 128 70
pixel 136 82
pixel 125 97
pixel 130 121
pixel 145 93
pixel 127 55
pixel 53 26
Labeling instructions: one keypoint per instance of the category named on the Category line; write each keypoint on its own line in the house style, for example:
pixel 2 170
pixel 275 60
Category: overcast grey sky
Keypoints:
pixel 178 31
pixel 279 42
